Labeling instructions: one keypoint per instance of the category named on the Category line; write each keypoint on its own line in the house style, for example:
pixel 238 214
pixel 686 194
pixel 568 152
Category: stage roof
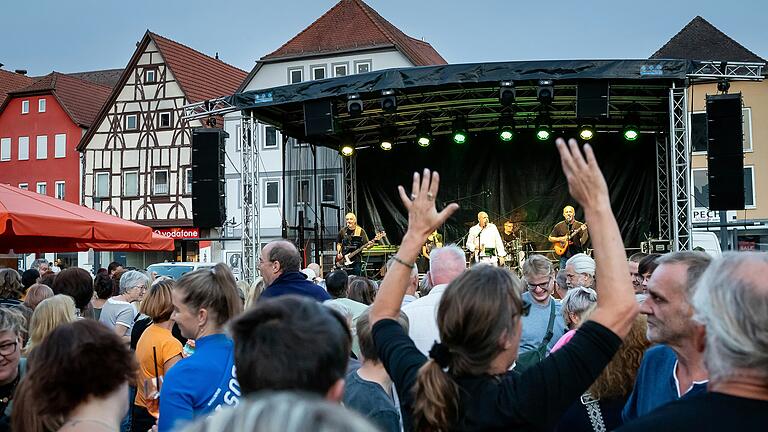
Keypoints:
pixel 440 94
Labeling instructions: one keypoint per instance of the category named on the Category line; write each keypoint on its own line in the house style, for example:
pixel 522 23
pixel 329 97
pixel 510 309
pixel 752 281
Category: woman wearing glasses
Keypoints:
pixel 118 313
pixel 466 383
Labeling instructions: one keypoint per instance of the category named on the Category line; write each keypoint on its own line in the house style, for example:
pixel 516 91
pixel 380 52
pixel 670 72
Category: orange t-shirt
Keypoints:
pixel 166 347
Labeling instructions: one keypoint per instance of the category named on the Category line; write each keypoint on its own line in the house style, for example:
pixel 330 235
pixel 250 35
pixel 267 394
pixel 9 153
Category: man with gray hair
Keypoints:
pixel 731 308
pixel 280 266
pixel 413 284
pixel 580 271
pixel 445 265
pixel 675 366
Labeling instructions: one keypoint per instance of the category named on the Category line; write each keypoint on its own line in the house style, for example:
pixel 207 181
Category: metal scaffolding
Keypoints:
pixel 681 169
pixel 249 175
pixel 662 185
pixel 350 187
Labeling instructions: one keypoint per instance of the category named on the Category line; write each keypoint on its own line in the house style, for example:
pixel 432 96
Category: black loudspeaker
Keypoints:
pixel 318 117
pixel 208 183
pixel 592 100
pixel 725 152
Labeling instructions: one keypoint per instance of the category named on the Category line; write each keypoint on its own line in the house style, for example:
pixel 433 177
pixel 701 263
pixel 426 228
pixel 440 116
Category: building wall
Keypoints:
pixel 54 121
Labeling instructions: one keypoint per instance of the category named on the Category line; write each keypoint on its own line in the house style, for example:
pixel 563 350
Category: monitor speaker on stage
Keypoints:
pixel 208 182
pixel 592 100
pixel 725 152
pixel 318 117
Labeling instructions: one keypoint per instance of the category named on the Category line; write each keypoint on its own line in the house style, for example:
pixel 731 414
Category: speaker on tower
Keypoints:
pixel 725 152
pixel 208 183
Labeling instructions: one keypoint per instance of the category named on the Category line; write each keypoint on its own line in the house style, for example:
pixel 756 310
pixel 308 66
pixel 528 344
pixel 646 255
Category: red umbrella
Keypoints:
pixel 158 243
pixel 34 222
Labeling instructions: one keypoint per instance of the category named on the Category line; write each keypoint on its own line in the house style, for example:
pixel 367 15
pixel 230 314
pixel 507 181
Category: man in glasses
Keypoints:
pixel 539 284
pixel 12 367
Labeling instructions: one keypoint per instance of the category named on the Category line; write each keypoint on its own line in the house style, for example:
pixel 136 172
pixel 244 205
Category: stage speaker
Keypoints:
pixel 318 117
pixel 725 152
pixel 208 183
pixel 592 100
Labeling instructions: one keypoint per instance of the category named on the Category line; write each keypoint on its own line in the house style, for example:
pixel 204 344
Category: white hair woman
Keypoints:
pixel 578 303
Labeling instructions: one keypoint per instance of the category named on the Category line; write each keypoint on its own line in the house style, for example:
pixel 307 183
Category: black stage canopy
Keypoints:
pixel 519 180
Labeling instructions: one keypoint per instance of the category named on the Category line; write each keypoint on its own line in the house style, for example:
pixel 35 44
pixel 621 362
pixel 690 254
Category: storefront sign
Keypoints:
pixel 179 233
pixel 703 215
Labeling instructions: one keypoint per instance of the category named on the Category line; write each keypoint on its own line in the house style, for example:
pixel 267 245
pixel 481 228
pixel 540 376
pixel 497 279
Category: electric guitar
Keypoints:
pixel 562 246
pixel 346 260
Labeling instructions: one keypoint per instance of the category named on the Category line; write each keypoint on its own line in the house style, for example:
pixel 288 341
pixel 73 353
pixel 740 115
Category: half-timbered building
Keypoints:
pixel 137 156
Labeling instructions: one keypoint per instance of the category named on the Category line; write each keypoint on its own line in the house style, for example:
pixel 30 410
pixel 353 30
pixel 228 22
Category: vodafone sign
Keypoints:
pixel 179 233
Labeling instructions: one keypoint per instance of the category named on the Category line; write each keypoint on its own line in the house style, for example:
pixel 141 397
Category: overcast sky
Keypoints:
pixel 80 35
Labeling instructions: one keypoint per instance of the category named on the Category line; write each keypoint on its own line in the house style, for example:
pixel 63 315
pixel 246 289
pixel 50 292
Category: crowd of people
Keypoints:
pixel 649 342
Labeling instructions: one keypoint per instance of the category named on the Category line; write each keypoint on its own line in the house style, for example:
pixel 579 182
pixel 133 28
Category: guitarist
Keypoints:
pixel 571 231
pixel 350 238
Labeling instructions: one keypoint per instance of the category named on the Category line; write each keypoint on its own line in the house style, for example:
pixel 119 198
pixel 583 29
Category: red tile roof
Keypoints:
pixel 700 40
pixel 10 81
pixel 201 77
pixel 353 25
pixel 81 99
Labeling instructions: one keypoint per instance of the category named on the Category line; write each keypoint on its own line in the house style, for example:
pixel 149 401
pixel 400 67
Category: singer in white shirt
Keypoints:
pixel 485 236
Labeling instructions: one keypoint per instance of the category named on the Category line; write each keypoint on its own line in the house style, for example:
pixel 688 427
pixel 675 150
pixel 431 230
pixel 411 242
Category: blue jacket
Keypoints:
pixel 199 384
pixel 297 284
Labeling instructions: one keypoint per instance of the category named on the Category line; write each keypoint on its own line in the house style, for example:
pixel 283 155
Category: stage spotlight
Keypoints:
pixel 586 133
pixel 631 133
pixel 354 105
pixel 506 93
pixel 386 144
pixel 506 128
pixel 543 133
pixel 347 150
pixel 546 91
pixel 424 133
pixel 388 101
pixel 460 134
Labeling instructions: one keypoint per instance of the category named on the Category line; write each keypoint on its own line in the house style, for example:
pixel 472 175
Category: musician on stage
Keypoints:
pixel 484 240
pixel 508 236
pixel 350 238
pixel 434 241
pixel 571 231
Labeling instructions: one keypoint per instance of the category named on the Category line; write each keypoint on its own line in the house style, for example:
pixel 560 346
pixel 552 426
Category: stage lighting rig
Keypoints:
pixel 386 144
pixel 506 128
pixel 424 133
pixel 543 131
pixel 388 101
pixel 546 91
pixel 354 105
pixel 460 135
pixel 631 131
pixel 506 93
pixel 347 150
pixel 586 132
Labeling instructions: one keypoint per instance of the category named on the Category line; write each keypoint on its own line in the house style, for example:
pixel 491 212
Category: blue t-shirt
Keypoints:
pixel 297 284
pixel 535 325
pixel 369 399
pixel 656 384
pixel 199 384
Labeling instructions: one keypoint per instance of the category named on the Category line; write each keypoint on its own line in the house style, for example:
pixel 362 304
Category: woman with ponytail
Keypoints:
pixel 465 384
pixel 203 301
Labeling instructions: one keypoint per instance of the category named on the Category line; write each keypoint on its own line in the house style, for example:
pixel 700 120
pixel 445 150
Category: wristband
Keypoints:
pixel 398 260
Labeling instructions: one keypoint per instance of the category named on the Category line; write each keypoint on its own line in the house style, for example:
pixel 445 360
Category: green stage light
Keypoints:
pixel 631 133
pixel 506 133
pixel 347 150
pixel 586 133
pixel 542 133
pixel 460 137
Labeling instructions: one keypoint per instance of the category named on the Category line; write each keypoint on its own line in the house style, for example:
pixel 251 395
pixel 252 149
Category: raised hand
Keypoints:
pixel 585 180
pixel 423 217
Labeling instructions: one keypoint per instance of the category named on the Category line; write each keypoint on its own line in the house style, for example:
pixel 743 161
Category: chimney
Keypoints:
pixel 21 71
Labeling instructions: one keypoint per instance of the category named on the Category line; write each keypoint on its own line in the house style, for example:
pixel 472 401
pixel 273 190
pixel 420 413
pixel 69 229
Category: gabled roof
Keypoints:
pixel 10 81
pixel 352 25
pixel 79 98
pixel 199 76
pixel 700 40
pixel 107 77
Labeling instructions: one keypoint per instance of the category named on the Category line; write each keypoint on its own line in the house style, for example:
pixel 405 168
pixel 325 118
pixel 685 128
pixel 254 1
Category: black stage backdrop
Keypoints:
pixel 520 180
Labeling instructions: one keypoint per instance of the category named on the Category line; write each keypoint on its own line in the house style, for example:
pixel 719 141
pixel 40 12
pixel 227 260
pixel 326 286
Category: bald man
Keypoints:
pixel 484 241
pixel 350 238
pixel 571 231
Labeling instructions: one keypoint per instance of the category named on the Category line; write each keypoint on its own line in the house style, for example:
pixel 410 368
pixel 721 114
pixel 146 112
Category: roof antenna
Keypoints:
pixel 217 55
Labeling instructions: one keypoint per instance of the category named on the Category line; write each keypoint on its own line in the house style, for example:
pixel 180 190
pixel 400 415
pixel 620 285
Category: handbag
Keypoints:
pixel 530 358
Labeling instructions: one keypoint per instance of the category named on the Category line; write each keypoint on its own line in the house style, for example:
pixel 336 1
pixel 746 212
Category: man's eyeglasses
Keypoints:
pixel 542 285
pixel 7 349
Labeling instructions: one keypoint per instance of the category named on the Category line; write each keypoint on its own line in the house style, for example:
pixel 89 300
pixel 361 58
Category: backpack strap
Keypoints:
pixel 548 336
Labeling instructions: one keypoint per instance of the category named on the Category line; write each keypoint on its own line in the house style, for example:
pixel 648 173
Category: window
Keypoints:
pixel 25 107
pixel 5 149
pixel 700 183
pixel 41 105
pixel 164 120
pixel 271 193
pixel 42 188
pixel 302 191
pixel 42 147
pixel 363 66
pixel 160 182
pixel 101 185
pixel 238 138
pixel 188 183
pixel 131 183
pixel 60 145
pixel 340 69
pixel 328 189
pixel 699 137
pixel 318 72
pixel 23 186
pixel 60 190
pixel 295 75
pixel 150 76
pixel 239 187
pixel 270 139
pixel 131 122
pixel 23 148
pixel 746 126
